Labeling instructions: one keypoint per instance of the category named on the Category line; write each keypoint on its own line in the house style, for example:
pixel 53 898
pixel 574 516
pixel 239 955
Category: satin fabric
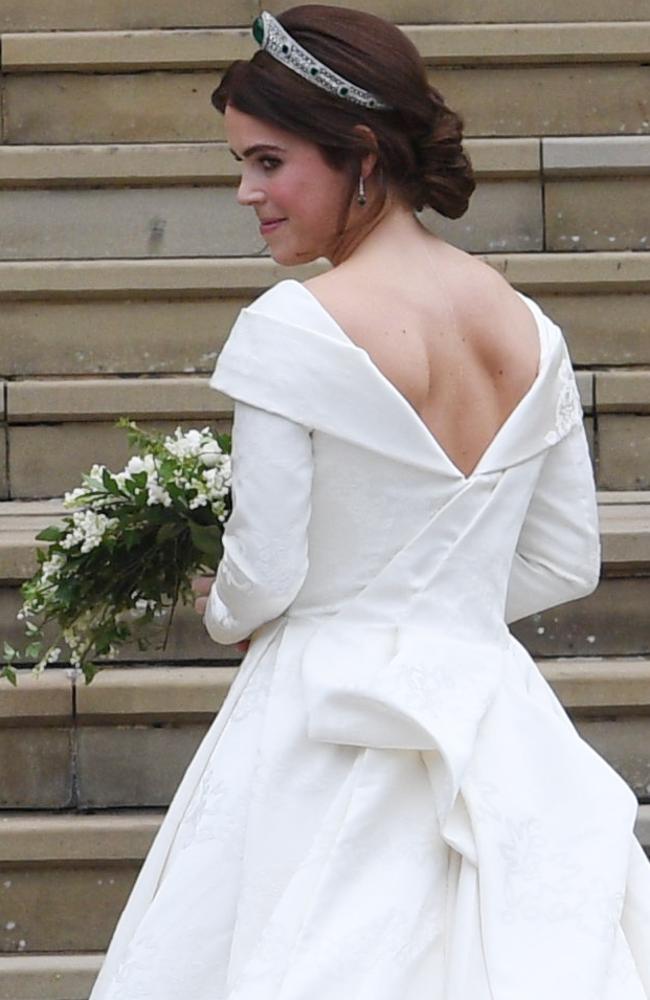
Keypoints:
pixel 391 803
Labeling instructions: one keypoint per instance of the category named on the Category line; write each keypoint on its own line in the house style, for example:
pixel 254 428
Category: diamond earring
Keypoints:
pixel 361 196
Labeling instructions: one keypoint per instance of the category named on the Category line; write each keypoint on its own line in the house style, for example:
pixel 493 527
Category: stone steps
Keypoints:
pixel 48 977
pixel 177 199
pixel 624 521
pixel 54 865
pixel 125 740
pixel 131 316
pixel 439 45
pixel 78 318
pixel 154 85
pixel 48 444
pixel 210 162
pixel 69 877
pixel 70 15
pixel 611 622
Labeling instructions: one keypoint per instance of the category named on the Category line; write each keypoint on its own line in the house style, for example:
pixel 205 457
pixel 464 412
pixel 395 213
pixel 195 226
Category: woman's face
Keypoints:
pixel 285 177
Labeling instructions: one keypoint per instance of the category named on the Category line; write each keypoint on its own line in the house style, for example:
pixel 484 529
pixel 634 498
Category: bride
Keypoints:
pixel 391 804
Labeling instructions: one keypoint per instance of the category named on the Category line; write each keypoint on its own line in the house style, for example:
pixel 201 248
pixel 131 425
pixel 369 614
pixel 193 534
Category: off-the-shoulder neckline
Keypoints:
pixel 417 419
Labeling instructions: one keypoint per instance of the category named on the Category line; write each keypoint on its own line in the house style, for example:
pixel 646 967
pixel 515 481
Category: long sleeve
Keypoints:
pixel 558 552
pixel 265 540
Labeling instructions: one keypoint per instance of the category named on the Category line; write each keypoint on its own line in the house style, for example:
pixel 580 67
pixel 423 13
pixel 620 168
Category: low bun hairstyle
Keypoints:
pixel 445 175
pixel 419 141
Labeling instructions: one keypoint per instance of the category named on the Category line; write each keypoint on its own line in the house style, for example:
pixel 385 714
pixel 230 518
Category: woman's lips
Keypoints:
pixel 268 227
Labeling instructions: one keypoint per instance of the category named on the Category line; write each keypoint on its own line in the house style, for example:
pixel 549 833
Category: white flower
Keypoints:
pixel 186 445
pixel 200 500
pixel 51 656
pixel 94 477
pixel 75 497
pixel 135 465
pixel 210 454
pixel 157 494
pixel 88 530
pixel 218 480
pixel 71 638
pixel 52 566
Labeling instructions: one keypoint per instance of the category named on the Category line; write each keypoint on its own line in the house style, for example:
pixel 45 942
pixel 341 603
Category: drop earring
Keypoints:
pixel 361 196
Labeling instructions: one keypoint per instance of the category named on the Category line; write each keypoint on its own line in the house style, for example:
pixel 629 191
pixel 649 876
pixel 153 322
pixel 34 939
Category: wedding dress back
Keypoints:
pixel 380 646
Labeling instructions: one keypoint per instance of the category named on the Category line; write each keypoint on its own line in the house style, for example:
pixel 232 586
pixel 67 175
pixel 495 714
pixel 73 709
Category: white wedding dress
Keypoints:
pixel 391 804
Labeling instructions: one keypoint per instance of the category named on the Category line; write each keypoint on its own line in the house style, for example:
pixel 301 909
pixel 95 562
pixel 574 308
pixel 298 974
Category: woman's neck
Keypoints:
pixel 396 231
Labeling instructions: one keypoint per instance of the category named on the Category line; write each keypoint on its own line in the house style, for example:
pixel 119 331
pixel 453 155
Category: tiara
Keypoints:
pixel 272 37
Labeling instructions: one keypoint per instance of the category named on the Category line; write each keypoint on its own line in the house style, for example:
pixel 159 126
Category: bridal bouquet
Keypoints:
pixel 118 565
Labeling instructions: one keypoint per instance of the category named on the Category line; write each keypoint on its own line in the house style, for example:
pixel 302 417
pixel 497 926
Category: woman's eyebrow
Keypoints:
pixel 258 148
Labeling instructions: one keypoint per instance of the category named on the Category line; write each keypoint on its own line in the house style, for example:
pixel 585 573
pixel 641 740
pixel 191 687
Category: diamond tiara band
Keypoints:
pixel 272 37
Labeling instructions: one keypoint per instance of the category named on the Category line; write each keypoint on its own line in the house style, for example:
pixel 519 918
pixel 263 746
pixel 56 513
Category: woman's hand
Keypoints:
pixel 201 585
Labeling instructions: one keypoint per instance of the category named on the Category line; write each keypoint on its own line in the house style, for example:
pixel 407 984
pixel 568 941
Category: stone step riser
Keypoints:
pixel 583 99
pixel 126 740
pixel 144 165
pixel 439 45
pixel 55 430
pixel 103 767
pixel 70 15
pixel 506 215
pixel 45 460
pixel 65 879
pixel 48 977
pixel 142 336
pixel 81 904
pixel 119 316
pixel 613 621
pixel 45 903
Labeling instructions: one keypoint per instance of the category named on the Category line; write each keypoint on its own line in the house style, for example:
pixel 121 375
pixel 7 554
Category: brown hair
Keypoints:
pixel 419 141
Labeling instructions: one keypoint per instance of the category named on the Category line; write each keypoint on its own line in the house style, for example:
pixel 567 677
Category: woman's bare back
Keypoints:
pixel 451 335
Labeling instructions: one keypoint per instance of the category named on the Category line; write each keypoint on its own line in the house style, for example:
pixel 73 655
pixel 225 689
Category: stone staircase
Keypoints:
pixel 123 263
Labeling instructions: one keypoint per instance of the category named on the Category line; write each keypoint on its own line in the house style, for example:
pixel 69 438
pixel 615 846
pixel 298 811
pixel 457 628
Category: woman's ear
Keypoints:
pixel 369 159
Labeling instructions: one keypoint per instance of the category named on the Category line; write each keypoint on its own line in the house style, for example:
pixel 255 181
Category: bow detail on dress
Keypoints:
pixel 422 660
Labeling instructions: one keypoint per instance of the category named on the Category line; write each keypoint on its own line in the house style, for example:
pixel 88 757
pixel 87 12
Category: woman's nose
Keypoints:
pixel 247 193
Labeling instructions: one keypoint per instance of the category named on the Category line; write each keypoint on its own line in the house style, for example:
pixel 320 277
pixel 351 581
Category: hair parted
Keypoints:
pixel 419 142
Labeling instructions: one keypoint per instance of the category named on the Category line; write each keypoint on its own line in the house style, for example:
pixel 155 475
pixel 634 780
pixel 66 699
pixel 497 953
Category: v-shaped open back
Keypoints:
pixel 418 420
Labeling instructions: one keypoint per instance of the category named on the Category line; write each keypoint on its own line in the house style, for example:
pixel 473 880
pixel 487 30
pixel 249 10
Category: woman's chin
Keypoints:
pixel 289 259
pixel 293 258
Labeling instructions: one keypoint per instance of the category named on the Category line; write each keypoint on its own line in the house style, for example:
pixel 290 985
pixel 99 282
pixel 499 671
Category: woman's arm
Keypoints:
pixel 265 540
pixel 558 552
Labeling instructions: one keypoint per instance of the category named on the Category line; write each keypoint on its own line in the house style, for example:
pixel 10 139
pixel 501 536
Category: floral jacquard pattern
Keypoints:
pixel 568 411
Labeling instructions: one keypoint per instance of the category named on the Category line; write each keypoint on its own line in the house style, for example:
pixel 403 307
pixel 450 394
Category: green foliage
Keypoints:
pixel 126 554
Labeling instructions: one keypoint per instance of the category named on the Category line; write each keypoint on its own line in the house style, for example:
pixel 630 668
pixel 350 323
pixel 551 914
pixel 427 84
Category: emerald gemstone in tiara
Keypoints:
pixel 258 30
pixel 274 39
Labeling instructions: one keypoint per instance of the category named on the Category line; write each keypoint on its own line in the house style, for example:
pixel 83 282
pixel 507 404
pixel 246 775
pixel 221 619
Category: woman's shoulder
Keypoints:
pixel 293 304
pixel 277 297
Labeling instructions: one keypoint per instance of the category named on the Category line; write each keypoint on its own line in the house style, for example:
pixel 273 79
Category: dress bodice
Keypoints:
pixel 377 476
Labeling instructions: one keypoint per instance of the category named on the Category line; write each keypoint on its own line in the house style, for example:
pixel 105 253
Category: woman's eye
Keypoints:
pixel 269 162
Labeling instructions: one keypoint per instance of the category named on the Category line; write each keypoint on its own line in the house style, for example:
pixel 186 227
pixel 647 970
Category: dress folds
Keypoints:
pixel 392 803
